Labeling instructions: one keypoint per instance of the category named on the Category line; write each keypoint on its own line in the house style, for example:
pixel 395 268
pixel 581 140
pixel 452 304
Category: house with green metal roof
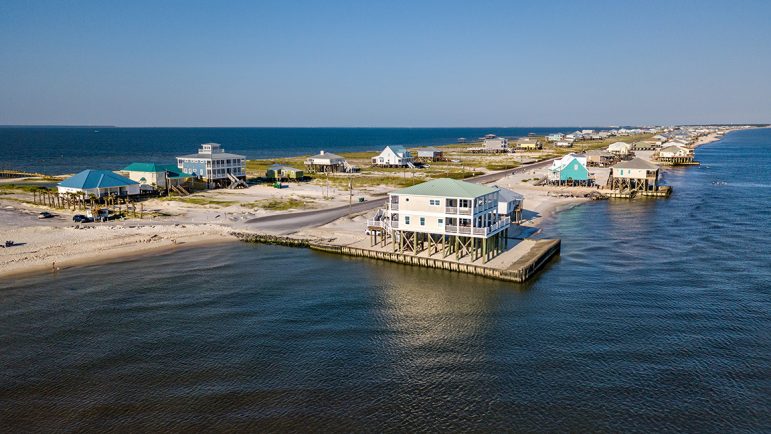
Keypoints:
pixel 151 175
pixel 455 216
pixel 99 183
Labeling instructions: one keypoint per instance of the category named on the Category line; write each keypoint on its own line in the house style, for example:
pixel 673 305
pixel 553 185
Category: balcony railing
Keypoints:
pixel 451 210
pixel 464 211
pixel 468 230
pixel 394 207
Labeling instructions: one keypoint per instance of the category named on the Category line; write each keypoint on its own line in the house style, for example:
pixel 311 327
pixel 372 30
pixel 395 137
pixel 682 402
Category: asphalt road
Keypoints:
pixel 291 222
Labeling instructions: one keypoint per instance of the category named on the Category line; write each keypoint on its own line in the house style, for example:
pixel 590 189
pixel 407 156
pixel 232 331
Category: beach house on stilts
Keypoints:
pixel 446 217
pixel 570 170
pixel 635 175
pixel 215 166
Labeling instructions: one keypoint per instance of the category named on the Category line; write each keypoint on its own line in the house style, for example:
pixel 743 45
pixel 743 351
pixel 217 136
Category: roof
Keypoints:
pixel 326 156
pixel 174 171
pixel 283 167
pixel 429 149
pixel 673 148
pixel 636 163
pixel 447 187
pixel 619 145
pixel 599 152
pixel 89 179
pixel 506 195
pixel 397 149
pixel 217 156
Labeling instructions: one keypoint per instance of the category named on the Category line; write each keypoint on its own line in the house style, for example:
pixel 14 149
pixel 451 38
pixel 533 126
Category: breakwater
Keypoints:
pixel 519 271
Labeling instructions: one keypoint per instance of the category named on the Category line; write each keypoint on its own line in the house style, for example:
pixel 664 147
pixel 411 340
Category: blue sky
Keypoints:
pixel 389 63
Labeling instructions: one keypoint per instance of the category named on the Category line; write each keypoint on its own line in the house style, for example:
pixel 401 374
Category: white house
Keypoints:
pixel 621 149
pixel 563 144
pixel 555 137
pixel 393 156
pixel 214 165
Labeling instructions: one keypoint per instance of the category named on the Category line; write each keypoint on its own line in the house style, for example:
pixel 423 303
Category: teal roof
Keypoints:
pixel 174 171
pixel 144 167
pixel 447 187
pixel 89 179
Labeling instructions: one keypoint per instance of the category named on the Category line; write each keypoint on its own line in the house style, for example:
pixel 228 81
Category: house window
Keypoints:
pixel 440 221
pixel 422 221
pixel 434 201
pixel 406 220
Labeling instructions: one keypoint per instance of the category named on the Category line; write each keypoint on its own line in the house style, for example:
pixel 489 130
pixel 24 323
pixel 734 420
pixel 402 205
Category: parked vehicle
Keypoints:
pixel 80 218
pixel 45 215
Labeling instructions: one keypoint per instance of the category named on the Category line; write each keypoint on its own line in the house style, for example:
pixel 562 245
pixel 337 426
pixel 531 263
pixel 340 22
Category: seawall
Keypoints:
pixel 519 271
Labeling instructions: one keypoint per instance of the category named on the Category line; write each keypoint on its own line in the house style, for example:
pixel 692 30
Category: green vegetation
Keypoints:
pixel 279 204
pixel 502 165
pixel 200 201
pixel 29 188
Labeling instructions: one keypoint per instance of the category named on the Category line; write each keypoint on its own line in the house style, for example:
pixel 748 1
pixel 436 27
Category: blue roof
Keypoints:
pixel 88 179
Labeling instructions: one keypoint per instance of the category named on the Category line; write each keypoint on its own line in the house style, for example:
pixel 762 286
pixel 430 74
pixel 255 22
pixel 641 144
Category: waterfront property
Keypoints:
pixel 393 156
pixel 634 175
pixel 445 217
pixel 675 155
pixel 510 204
pixel 430 154
pixel 327 162
pixel 99 183
pixel 570 170
pixel 599 158
pixel 152 175
pixel 280 172
pixel 215 166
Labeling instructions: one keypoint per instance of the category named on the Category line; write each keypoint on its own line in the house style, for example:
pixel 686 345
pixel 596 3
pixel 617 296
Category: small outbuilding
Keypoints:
pixel 280 172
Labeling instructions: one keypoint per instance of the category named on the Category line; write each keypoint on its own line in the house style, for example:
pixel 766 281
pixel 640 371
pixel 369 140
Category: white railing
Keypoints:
pixel 451 210
pixel 464 211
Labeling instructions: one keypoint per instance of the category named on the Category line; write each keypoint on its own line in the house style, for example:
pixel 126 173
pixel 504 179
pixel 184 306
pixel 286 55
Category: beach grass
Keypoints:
pixel 199 201
pixel 279 204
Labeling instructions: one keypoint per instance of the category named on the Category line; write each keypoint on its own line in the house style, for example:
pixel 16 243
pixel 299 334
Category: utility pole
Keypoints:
pixel 350 194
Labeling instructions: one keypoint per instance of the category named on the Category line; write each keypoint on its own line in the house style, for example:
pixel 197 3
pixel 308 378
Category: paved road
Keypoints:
pixel 291 222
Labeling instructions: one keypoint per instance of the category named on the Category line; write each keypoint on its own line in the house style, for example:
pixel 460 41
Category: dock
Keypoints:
pixel 524 267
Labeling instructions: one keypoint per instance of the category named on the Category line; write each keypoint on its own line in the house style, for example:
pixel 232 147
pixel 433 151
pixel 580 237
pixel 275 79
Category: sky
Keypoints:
pixel 384 63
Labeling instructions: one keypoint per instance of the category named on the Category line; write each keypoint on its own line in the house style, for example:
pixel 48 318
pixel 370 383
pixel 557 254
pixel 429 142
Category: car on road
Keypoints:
pixel 45 215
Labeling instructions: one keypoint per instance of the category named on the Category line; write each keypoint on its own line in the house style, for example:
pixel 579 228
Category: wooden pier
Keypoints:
pixel 521 270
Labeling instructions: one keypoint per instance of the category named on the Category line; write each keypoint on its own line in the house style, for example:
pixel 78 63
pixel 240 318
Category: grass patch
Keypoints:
pixel 29 188
pixel 502 165
pixel 279 204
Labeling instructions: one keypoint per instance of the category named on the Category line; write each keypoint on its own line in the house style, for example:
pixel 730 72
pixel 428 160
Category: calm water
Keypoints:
pixel 68 150
pixel 656 317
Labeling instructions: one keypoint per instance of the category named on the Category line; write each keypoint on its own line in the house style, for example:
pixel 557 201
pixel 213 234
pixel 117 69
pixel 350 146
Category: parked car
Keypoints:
pixel 45 215
pixel 80 218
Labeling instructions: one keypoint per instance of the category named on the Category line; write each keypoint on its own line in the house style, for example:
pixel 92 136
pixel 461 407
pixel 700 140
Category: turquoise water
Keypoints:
pixel 656 317
pixel 55 150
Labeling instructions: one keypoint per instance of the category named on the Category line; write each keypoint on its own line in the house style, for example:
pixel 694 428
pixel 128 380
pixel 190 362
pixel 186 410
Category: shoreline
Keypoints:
pixel 42 252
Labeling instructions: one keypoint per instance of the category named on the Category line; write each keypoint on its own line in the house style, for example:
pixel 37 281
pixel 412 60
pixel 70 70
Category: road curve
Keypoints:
pixel 292 222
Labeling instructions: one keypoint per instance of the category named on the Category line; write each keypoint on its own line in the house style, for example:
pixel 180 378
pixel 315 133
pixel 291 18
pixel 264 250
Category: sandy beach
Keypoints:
pixel 48 245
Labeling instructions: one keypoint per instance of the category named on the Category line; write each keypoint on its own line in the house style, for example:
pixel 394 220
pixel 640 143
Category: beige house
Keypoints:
pixel 447 216
pixel 327 162
pixel 635 174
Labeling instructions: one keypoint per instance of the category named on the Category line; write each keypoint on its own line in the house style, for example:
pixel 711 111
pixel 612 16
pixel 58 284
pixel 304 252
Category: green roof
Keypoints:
pixel 174 171
pixel 447 187
pixel 145 167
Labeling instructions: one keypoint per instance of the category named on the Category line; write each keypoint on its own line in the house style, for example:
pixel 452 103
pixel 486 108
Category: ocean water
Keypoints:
pixel 53 150
pixel 656 317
